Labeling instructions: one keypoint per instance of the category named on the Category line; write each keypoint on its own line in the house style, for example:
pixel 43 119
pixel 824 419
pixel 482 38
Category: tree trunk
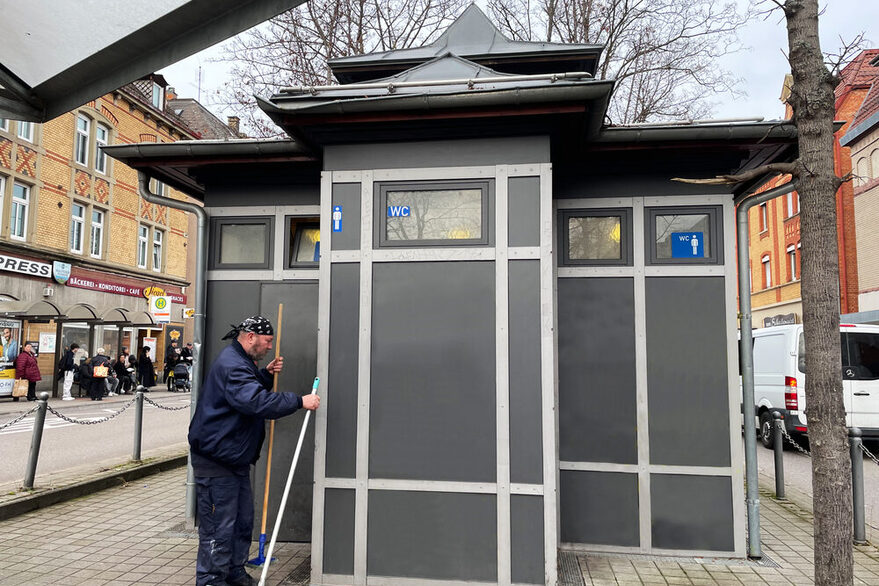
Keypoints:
pixel 812 100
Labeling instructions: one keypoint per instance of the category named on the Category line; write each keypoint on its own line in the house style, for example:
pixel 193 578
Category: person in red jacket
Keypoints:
pixel 26 368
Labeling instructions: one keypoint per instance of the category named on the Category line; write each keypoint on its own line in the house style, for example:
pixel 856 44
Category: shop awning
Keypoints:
pixel 38 310
pixel 81 312
pixel 56 56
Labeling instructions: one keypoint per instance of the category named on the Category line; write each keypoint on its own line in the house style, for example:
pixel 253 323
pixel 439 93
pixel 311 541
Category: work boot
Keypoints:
pixel 241 580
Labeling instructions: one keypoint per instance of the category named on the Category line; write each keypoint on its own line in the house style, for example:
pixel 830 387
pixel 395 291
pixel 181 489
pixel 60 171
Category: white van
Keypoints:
pixel 779 378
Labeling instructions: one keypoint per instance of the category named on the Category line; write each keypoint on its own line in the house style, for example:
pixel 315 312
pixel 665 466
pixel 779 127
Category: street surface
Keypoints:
pixel 798 481
pixel 68 447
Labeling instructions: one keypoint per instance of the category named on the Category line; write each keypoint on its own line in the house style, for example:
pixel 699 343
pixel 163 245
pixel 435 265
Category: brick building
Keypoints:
pixel 81 250
pixel 774 227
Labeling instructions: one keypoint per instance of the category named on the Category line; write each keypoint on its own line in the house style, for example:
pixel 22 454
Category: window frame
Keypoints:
pixel 4 124
pixel 626 237
pixel 144 240
pixel 290 253
pixel 792 262
pixel 215 231
pixel 81 135
pixel 764 217
pixel 486 186
pixel 101 156
pixel 714 214
pixel 30 126
pixel 766 261
pixel 161 233
pixel 16 202
pixel 96 232
pixel 81 222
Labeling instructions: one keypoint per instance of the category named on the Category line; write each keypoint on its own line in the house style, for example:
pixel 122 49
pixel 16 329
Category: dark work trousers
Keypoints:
pixel 225 524
pixel 31 390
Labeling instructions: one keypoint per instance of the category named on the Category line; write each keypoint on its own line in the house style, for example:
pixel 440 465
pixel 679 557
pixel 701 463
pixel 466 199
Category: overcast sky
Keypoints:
pixel 761 66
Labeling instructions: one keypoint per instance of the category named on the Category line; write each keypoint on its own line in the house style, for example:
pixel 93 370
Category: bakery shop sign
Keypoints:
pixel 93 281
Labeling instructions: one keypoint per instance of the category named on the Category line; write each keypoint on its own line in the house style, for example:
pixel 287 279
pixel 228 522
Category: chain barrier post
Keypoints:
pixel 36 440
pixel 138 423
pixel 855 442
pixel 778 449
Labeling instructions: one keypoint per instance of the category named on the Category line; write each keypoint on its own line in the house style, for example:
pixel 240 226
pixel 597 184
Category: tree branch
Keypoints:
pixel 773 168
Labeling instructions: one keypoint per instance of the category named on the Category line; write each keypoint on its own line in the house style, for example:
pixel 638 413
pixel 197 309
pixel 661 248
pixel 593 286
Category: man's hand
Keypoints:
pixel 275 365
pixel 311 402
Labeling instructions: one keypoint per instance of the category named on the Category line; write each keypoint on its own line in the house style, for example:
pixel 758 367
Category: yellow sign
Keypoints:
pixel 174 335
pixel 153 291
pixel 188 312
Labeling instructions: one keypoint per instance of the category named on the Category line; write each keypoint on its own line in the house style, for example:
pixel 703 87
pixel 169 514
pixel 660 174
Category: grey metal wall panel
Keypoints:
pixel 341 404
pixel 692 512
pixel 440 153
pixel 596 346
pixel 526 445
pixel 526 539
pixel 524 211
pixel 432 390
pixel 228 302
pixel 439 535
pixel 347 195
pixel 599 508
pixel 338 552
pixel 245 191
pixel 687 371
pixel 299 349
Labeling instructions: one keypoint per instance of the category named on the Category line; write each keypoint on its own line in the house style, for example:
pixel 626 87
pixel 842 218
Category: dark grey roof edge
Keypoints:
pixel 728 131
pixel 861 129
pixel 206 148
pixel 558 49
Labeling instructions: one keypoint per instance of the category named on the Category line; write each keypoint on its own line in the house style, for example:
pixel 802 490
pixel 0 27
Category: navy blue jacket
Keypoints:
pixel 228 427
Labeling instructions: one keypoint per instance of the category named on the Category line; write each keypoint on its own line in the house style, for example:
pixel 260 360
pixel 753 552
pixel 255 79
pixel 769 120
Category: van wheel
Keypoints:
pixel 766 430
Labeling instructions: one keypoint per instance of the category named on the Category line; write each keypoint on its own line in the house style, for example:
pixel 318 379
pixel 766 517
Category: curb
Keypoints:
pixel 54 496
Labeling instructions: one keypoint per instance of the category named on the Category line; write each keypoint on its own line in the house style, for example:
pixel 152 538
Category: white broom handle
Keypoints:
pixel 265 567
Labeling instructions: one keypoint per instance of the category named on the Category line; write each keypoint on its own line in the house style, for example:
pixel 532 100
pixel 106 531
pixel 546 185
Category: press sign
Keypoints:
pixel 687 245
pixel 398 211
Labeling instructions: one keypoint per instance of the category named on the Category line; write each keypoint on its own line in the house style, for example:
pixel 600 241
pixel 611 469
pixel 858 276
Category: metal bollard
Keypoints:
pixel 778 449
pixel 36 440
pixel 138 423
pixel 857 455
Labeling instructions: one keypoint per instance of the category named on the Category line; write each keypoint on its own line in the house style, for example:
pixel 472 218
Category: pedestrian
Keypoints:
pixel 172 357
pixel 26 368
pixel 146 374
pixel 225 438
pixel 120 367
pixel 66 370
pixel 186 357
pixel 85 373
pixel 100 371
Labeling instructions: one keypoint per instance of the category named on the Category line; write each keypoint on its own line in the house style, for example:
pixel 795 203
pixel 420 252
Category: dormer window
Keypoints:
pixel 158 96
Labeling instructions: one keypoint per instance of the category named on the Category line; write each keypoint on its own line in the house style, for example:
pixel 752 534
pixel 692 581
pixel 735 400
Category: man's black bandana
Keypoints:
pixel 256 324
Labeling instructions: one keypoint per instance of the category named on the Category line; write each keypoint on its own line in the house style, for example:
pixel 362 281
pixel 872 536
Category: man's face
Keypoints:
pixel 257 345
pixel 7 333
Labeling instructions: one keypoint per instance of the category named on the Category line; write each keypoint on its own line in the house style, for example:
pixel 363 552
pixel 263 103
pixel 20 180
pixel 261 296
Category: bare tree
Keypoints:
pixel 812 102
pixel 663 53
pixel 294 47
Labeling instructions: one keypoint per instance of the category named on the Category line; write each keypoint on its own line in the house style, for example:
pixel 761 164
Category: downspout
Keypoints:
pixel 746 354
pixel 198 330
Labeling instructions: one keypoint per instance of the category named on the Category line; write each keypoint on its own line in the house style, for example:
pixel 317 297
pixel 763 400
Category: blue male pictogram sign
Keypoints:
pixel 398 211
pixel 687 245
pixel 337 218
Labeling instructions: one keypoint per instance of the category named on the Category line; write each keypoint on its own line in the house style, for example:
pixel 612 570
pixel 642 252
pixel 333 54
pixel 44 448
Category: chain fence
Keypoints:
pixel 17 419
pixel 869 454
pixel 69 419
pixel 165 407
pixel 791 440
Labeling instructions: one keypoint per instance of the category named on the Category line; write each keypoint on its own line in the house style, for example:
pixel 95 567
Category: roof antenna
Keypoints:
pixel 199 83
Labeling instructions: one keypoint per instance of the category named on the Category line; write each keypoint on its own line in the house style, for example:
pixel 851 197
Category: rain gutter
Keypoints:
pixel 198 330
pixel 746 354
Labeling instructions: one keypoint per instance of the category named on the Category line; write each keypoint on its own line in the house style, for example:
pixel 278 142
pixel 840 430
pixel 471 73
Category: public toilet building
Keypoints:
pixel 524 329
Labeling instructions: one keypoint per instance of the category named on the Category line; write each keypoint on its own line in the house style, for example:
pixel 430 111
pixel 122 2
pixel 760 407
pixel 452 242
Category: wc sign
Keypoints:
pixel 687 245
pixel 398 211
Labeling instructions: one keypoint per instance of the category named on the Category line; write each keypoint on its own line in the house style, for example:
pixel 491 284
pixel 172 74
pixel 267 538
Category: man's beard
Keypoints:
pixel 256 358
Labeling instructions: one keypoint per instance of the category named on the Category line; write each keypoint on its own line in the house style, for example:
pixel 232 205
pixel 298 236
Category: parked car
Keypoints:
pixel 780 380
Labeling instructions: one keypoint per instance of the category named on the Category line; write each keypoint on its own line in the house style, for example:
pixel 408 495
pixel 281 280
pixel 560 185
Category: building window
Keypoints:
pixel 241 243
pixel 764 220
pixel 102 137
pixel 26 130
pixel 596 236
pixel 767 272
pixel 433 214
pixel 792 263
pixel 97 233
pixel 143 237
pixel 4 124
pixel 77 223
pixel 792 205
pixel 684 235
pixel 158 97
pixel 20 203
pixel 158 235
pixel 302 242
pixel 81 144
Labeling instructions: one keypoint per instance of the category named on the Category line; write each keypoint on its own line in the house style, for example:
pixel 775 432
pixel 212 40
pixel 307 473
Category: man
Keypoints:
pixel 100 371
pixel 66 368
pixel 172 356
pixel 10 346
pixel 225 437
pixel 26 368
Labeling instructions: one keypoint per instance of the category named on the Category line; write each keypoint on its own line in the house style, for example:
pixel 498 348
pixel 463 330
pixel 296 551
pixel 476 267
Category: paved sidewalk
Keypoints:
pixel 133 534
pixel 9 409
